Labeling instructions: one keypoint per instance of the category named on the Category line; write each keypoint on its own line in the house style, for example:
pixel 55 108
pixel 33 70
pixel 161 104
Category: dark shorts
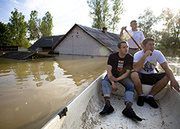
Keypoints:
pixel 151 79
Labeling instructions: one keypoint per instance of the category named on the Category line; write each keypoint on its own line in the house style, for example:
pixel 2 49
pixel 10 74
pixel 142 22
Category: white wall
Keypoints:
pixel 77 42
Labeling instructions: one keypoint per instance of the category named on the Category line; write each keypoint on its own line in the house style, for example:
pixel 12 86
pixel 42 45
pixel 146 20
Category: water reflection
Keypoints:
pixel 37 73
pixel 174 63
pixel 27 73
pixel 31 91
pixel 175 68
pixel 82 68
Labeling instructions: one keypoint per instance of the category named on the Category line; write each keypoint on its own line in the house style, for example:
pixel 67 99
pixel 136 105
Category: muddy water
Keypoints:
pixel 31 91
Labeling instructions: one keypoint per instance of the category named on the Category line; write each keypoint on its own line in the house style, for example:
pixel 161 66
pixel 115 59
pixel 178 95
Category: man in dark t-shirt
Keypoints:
pixel 118 69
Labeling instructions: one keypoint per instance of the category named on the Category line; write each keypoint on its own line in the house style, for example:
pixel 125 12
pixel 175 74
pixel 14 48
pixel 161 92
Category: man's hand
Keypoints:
pixel 175 84
pixel 114 87
pixel 123 28
pixel 148 53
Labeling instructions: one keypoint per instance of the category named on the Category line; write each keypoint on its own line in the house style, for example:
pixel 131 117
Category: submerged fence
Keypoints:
pixel 8 48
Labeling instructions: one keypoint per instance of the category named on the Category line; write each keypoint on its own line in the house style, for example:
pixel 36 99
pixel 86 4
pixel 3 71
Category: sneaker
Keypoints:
pixel 140 101
pixel 128 112
pixel 151 102
pixel 107 110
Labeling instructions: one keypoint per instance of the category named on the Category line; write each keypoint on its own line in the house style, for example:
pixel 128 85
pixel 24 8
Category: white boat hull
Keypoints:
pixel 83 112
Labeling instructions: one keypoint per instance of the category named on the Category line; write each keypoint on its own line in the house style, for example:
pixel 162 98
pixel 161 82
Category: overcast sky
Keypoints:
pixel 68 12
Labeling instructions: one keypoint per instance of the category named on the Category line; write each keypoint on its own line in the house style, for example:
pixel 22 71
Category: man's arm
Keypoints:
pixel 109 73
pixel 121 33
pixel 170 75
pixel 111 77
pixel 139 64
pixel 123 75
pixel 142 38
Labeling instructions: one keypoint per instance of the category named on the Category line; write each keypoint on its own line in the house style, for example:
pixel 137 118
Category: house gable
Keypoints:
pixel 79 42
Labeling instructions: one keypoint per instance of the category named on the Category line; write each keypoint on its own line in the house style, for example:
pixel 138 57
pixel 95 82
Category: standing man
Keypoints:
pixel 118 70
pixel 145 62
pixel 137 35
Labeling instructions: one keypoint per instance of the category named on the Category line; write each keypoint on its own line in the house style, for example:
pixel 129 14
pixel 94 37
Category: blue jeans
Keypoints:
pixel 127 83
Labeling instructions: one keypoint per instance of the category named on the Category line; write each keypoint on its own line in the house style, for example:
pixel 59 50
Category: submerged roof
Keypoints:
pixel 45 42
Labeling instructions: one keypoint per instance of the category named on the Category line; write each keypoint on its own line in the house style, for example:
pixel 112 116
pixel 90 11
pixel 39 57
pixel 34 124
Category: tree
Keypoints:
pixel 33 26
pixel 4 34
pixel 96 13
pixel 171 22
pixel 170 35
pixel 117 10
pixel 147 21
pixel 105 13
pixel 46 25
pixel 18 29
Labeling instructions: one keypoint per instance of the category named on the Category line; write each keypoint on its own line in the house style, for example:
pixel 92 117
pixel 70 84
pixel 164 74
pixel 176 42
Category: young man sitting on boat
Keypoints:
pixel 118 70
pixel 143 72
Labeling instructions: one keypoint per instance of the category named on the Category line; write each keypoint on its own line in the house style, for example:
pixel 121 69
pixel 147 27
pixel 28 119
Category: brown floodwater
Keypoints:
pixel 32 91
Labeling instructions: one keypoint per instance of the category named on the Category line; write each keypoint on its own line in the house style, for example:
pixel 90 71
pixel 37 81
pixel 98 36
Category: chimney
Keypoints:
pixel 104 30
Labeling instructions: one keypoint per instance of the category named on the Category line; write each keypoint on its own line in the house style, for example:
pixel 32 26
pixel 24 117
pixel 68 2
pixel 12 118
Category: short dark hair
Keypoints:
pixel 146 40
pixel 133 21
pixel 119 44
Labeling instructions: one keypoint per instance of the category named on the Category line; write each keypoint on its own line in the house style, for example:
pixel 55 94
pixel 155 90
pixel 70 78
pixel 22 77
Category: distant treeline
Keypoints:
pixel 168 37
pixel 18 32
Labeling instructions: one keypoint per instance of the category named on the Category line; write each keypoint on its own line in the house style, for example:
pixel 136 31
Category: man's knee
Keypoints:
pixel 105 82
pixel 130 87
pixel 134 74
pixel 163 76
pixel 166 78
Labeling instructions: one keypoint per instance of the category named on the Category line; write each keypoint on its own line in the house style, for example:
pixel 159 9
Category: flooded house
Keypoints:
pixel 82 40
pixel 79 40
pixel 45 44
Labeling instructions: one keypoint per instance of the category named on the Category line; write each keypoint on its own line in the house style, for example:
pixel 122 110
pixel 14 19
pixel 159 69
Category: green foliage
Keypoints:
pixel 105 13
pixel 147 21
pixel 18 29
pixel 4 35
pixel 46 25
pixel 170 35
pixel 96 11
pixel 171 22
pixel 117 11
pixel 33 26
pixel 168 38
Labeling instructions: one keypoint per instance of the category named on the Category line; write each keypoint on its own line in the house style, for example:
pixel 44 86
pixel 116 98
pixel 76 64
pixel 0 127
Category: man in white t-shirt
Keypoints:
pixel 143 72
pixel 137 35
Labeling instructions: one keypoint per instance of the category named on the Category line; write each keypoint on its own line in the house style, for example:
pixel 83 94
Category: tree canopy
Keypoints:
pixel 18 32
pixel 105 13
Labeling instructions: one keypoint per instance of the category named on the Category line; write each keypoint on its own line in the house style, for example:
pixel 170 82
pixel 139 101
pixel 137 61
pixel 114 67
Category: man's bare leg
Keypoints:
pixel 138 86
pixel 156 89
pixel 137 83
pixel 159 86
